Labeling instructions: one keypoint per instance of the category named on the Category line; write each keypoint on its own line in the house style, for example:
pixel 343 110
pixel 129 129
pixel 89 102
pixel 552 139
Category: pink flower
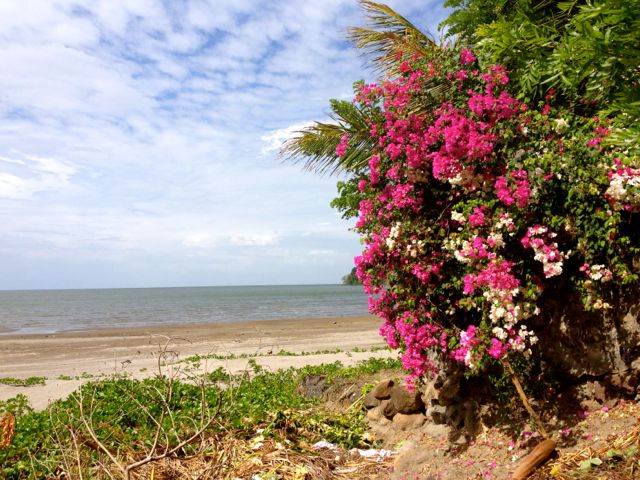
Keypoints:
pixel 503 192
pixel 497 349
pixel 342 147
pixel 405 67
pixel 477 217
pixel 519 195
pixel 466 57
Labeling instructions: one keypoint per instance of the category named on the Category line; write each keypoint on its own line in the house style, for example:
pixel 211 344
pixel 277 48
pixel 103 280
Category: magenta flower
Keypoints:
pixel 466 57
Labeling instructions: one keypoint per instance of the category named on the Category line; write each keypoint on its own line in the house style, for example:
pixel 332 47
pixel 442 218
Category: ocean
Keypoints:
pixel 50 311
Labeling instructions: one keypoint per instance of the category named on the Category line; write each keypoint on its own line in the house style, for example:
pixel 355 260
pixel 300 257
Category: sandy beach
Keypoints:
pixel 85 355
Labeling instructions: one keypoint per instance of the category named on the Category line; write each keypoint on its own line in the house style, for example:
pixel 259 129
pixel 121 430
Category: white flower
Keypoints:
pixel 561 123
pixel 458 217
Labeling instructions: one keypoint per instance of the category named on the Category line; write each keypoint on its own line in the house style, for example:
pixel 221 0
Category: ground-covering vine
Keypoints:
pixel 126 414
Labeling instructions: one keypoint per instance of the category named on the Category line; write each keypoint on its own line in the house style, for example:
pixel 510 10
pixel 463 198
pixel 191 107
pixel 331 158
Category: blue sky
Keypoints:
pixel 139 140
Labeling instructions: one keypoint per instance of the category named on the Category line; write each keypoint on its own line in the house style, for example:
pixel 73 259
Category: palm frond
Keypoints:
pixel 316 145
pixel 390 38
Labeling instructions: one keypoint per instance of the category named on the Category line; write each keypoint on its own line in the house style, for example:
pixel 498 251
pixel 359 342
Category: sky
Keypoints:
pixel 139 140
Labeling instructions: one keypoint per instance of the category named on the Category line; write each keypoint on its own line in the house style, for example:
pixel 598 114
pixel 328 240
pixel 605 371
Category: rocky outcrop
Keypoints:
pixel 597 354
pixel 578 343
pixel 392 407
pixel 593 358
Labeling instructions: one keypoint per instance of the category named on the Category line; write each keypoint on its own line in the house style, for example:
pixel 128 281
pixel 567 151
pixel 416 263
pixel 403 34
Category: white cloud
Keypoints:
pixel 138 140
pixel 33 175
pixel 274 139
pixel 259 240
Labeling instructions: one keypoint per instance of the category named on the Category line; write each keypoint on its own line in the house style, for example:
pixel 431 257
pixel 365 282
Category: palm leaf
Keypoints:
pixel 316 145
pixel 390 39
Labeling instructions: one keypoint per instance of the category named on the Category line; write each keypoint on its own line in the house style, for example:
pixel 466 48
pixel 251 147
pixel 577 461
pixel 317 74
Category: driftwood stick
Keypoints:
pixel 525 401
pixel 536 458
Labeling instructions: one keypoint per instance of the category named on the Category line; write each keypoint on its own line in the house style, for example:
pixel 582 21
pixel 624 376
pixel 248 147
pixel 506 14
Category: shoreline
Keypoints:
pixel 67 359
pixel 7 334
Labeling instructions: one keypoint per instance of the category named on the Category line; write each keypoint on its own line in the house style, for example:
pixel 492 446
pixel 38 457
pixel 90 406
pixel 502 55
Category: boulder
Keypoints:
pixel 405 401
pixel 389 410
pixel 412 421
pixel 438 414
pixel 376 414
pixel 370 401
pixel 383 389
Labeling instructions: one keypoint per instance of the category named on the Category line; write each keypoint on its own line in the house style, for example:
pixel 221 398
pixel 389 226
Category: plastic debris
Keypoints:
pixel 326 445
pixel 377 455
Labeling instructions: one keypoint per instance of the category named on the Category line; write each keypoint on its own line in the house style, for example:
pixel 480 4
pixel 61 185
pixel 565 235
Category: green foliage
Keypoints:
pixel 351 278
pixel 390 38
pixel 18 405
pixel 587 51
pixel 347 200
pixel 22 382
pixel 124 414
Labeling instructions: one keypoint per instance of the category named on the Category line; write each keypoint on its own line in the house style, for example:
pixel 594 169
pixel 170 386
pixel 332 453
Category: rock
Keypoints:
pixel 448 393
pixel 436 431
pixel 438 414
pixel 593 390
pixel 579 343
pixel 626 383
pixel 389 410
pixel 376 414
pixel 458 440
pixel 370 401
pixel 313 386
pixel 429 394
pixel 412 421
pixel 405 401
pixel 383 389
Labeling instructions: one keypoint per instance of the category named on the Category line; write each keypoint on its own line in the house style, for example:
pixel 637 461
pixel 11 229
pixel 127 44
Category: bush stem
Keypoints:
pixel 525 401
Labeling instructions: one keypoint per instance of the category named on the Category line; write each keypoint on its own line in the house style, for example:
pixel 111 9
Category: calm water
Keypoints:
pixel 48 311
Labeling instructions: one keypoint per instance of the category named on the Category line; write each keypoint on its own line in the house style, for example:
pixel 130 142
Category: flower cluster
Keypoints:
pixel 597 273
pixel 624 188
pixel 471 205
pixel 546 250
pixel 342 147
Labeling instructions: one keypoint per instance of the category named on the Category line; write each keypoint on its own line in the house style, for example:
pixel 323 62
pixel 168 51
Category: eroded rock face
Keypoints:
pixel 582 344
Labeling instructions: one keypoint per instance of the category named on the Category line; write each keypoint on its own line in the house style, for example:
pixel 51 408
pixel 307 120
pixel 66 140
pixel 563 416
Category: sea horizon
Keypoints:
pixel 172 286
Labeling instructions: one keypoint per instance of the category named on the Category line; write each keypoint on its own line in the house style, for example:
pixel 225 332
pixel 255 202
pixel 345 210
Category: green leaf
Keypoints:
pixel 614 454
pixel 588 463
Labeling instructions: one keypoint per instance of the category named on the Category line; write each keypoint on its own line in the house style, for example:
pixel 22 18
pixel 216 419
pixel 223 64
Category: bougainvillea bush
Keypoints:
pixel 473 204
